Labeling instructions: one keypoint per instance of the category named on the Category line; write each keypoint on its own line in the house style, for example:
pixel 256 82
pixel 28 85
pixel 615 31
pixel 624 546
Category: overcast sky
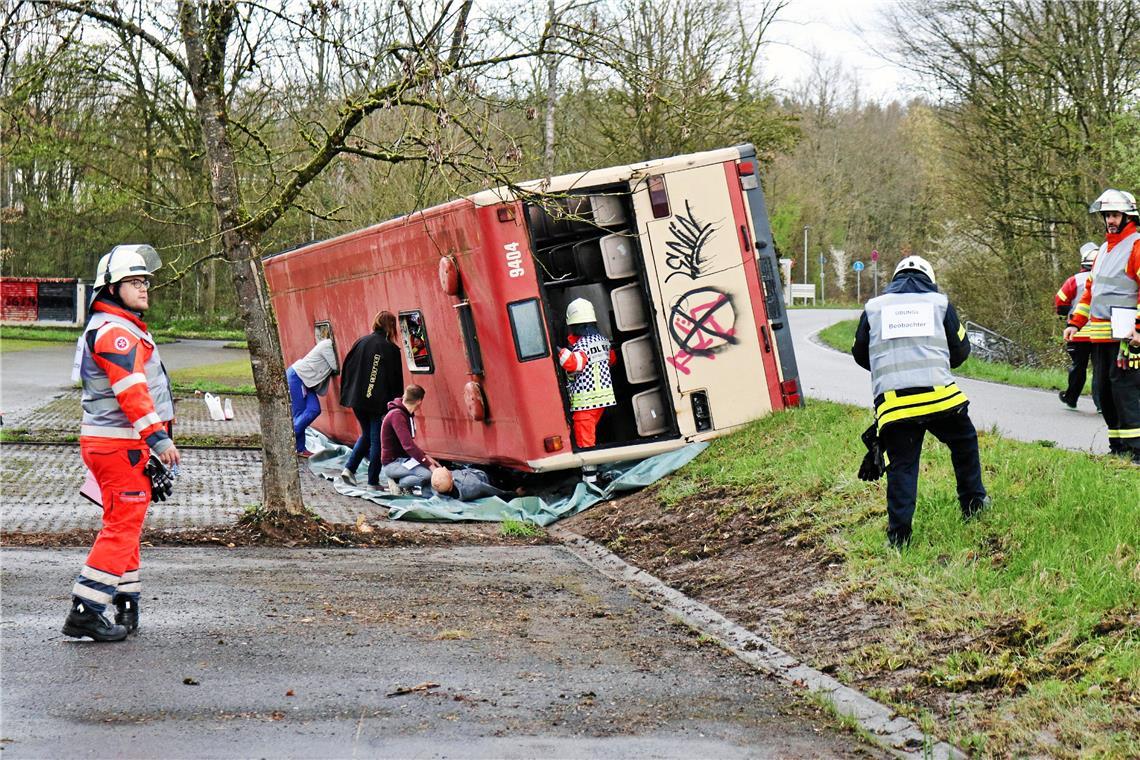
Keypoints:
pixel 832 28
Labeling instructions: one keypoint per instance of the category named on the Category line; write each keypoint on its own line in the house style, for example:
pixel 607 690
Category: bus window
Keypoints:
pixel 413 333
pixel 527 328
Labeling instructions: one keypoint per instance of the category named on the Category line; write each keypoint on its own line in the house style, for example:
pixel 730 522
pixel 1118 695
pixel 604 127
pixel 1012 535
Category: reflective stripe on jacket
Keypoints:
pixel 126 392
pixel 1111 286
pixel 592 387
pixel 908 362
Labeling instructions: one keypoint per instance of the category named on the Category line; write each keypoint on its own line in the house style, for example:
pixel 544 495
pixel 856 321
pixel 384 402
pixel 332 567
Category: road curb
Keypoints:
pixel 885 726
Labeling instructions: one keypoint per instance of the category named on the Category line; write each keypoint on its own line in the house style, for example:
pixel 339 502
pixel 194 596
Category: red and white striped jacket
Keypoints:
pixel 126 391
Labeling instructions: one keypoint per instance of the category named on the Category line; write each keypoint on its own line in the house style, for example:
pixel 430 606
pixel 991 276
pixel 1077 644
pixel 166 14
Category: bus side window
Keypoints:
pixel 413 334
pixel 527 329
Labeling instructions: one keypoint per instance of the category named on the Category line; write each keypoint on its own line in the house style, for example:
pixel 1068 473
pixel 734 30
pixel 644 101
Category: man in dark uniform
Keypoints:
pixel 910 338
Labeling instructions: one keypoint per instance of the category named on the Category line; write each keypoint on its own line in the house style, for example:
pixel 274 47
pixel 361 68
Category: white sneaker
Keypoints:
pixel 393 487
pixel 348 477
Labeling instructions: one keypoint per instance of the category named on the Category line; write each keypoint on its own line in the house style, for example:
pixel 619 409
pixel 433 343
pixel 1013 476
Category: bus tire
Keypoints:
pixel 449 275
pixel 474 400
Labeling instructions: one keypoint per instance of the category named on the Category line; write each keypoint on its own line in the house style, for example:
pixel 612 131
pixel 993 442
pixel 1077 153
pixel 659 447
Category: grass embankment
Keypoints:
pixel 841 334
pixel 225 377
pixel 162 334
pixel 1040 596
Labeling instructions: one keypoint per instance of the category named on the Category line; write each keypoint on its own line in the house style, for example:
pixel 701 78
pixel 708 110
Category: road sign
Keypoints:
pixel 857 266
pixel 874 255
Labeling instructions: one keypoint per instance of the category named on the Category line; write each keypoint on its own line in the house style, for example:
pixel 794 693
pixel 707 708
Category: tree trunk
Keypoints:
pixel 280 482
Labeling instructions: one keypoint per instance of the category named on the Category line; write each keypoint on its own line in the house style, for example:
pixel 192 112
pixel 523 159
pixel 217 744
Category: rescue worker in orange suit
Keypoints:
pixel 1079 349
pixel 910 338
pixel 128 411
pixel 1114 283
pixel 587 363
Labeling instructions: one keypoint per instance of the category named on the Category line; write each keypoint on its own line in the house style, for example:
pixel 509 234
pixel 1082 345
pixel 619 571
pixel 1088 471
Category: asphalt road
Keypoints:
pixel 517 652
pixel 31 377
pixel 1024 414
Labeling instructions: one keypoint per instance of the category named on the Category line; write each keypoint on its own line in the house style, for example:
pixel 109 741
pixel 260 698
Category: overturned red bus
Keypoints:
pixel 675 255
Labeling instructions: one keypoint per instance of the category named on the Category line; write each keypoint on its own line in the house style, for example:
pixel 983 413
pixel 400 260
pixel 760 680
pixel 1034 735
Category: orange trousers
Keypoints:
pixel 585 427
pixel 113 562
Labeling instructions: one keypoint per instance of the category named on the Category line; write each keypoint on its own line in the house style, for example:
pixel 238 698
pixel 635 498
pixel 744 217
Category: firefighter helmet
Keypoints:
pixel 126 261
pixel 579 312
pixel 1114 200
pixel 915 264
pixel 1088 253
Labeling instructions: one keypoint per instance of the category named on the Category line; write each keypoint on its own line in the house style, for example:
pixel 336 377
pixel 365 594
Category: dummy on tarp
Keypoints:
pixel 563 497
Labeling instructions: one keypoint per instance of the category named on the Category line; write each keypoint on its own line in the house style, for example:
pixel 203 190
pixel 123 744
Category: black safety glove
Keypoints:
pixel 872 466
pixel 161 479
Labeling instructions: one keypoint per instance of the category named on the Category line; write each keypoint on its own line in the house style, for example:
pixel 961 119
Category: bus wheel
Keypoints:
pixel 449 275
pixel 474 400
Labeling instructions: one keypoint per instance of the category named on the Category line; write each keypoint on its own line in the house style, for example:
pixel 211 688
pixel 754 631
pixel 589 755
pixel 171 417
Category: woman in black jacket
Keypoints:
pixel 372 376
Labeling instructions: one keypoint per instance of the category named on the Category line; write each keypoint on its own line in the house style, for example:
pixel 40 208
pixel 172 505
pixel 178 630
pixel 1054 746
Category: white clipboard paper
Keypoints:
pixel 90 489
pixel 1123 322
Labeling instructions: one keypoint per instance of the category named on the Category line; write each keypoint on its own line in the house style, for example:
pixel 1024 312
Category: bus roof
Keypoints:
pixel 569 182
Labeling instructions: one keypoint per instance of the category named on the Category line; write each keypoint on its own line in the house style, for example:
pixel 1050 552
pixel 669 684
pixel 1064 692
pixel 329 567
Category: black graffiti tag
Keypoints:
pixel 701 321
pixel 690 236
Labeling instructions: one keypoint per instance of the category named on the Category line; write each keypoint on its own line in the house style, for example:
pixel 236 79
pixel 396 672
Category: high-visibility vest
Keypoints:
pixel 1082 282
pixel 910 362
pixel 102 415
pixel 1110 285
pixel 593 386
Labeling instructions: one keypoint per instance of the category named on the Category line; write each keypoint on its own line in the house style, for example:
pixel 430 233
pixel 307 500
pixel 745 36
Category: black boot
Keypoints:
pixel 127 612
pixel 84 621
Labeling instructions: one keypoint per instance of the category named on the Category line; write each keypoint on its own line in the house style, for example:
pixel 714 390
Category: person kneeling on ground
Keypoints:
pixel 467 484
pixel 404 463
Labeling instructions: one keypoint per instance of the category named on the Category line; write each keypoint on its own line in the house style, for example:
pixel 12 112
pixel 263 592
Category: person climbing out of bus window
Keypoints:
pixel 309 379
pixel 1079 348
pixel 910 338
pixel 128 414
pixel 587 363
pixel 373 376
pixel 1114 286
pixel 403 462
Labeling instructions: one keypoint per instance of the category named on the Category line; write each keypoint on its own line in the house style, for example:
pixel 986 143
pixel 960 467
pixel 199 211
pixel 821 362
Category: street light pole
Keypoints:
pixel 806 227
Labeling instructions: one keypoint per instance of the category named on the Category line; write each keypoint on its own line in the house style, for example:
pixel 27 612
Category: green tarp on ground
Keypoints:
pixel 563 498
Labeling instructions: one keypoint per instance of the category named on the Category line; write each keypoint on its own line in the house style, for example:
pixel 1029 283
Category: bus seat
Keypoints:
pixel 629 312
pixel 588 258
pixel 637 356
pixel 606 210
pixel 557 263
pixel 617 256
pixel 649 412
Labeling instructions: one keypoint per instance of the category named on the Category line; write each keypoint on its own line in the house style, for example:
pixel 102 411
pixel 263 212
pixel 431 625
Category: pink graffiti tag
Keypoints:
pixel 698 331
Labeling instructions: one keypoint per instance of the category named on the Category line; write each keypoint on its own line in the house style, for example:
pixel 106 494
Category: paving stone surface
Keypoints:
pixel 62 415
pixel 39 491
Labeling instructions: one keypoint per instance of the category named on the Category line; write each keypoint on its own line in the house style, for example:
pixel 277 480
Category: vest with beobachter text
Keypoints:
pixel 593 387
pixel 102 415
pixel 917 361
pixel 1110 285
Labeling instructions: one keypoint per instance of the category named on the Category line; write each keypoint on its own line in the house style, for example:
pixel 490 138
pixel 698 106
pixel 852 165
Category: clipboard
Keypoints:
pixel 90 489
pixel 1123 322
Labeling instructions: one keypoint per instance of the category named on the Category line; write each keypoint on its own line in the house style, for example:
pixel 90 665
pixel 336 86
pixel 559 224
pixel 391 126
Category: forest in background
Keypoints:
pixel 1027 112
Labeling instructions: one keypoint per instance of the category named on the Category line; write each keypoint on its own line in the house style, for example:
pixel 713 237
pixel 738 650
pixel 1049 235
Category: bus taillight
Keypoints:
pixel 658 197
pixel 790 389
pixel 746 170
pixel 552 443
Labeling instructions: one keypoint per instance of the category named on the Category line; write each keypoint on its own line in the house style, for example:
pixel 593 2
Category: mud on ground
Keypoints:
pixel 793 593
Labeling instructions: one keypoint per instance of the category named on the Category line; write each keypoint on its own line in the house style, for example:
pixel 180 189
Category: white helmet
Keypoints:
pixel 1114 200
pixel 916 264
pixel 126 261
pixel 1088 253
pixel 579 312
